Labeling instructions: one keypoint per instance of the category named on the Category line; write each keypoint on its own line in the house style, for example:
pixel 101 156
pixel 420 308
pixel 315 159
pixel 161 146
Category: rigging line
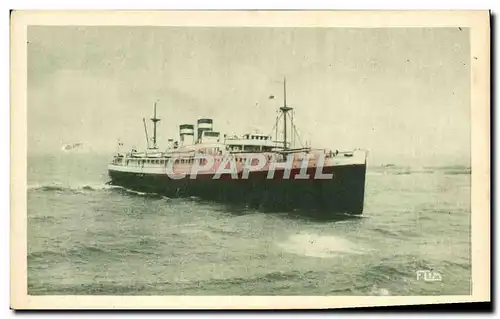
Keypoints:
pixel 297 134
pixel 275 127
pixel 146 132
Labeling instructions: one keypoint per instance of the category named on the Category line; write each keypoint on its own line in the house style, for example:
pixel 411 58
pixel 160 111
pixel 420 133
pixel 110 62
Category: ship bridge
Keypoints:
pixel 250 142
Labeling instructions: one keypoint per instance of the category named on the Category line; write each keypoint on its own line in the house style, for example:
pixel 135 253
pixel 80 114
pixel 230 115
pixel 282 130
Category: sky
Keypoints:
pixel 401 93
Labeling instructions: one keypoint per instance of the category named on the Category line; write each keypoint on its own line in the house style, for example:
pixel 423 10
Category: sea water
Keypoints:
pixel 85 237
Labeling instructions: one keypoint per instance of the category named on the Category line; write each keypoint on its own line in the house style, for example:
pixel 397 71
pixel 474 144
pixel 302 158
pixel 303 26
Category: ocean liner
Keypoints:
pixel 264 171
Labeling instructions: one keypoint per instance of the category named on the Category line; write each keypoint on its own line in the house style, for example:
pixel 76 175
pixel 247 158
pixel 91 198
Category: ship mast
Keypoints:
pixel 146 132
pixel 285 109
pixel 154 119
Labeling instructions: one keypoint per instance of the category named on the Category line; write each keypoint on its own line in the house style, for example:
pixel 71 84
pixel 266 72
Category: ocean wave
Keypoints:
pixel 458 172
pixel 70 188
pixel 401 170
pixel 43 255
pixel 222 231
pixel 377 291
pixel 269 277
pixel 88 188
pixel 91 187
pixel 320 246
pixel 144 194
pixel 83 252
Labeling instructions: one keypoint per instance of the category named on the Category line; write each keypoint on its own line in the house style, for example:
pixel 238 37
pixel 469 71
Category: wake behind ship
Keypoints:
pixel 253 169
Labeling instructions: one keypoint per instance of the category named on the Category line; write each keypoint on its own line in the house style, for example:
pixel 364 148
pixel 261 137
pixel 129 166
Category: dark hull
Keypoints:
pixel 342 194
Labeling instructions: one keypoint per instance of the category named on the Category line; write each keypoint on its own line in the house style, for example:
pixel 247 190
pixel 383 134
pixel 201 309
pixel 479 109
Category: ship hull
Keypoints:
pixel 344 193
